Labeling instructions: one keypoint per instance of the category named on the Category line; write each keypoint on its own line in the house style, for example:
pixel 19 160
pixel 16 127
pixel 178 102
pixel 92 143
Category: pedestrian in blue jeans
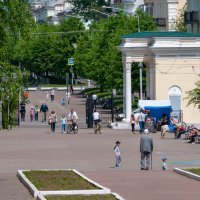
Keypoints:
pixel 141 120
pixel 63 124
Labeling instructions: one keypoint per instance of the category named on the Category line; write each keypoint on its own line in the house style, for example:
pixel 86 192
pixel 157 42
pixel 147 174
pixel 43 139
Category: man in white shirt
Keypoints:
pixel 96 117
pixel 73 116
pixel 52 94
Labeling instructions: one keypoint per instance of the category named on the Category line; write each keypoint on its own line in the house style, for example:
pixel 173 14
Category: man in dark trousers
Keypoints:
pixel 146 148
pixel 44 109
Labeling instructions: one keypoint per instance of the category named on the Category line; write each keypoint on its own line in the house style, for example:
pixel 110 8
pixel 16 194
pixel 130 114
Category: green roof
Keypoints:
pixel 159 34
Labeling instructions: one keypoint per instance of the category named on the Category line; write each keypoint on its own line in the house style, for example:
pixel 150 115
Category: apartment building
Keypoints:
pixel 192 16
pixel 164 12
pixel 129 5
pixel 48 10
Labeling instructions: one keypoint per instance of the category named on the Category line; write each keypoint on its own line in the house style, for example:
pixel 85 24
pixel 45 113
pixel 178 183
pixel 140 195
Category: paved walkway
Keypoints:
pixel 33 147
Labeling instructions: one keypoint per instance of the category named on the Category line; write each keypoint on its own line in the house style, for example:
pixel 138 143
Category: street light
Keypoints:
pixel 140 68
pixel 138 17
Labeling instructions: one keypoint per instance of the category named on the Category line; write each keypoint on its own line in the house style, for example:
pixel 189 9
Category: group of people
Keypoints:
pixel 72 118
pixel 50 94
pixel 146 149
pixel 33 112
pixel 139 119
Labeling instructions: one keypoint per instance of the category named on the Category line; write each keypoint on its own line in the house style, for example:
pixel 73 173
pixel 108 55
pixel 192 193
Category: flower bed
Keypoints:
pixel 59 182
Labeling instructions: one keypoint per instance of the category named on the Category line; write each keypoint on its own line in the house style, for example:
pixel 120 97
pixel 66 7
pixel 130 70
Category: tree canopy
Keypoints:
pixel 194 96
pixel 97 56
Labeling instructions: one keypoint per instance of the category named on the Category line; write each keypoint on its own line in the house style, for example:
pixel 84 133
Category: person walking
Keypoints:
pixel 22 111
pixel 132 122
pixel 63 124
pixel 94 97
pixel 146 148
pixel 141 120
pixel 31 113
pixel 52 94
pixel 117 154
pixel 44 109
pixel 52 121
pixel 36 111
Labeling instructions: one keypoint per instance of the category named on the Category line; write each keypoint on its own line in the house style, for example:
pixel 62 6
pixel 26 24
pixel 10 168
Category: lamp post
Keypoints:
pixel 140 68
pixel 138 17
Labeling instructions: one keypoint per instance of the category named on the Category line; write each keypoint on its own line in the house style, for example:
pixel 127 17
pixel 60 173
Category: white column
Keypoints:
pixel 128 91
pixel 124 88
pixel 172 13
pixel 148 79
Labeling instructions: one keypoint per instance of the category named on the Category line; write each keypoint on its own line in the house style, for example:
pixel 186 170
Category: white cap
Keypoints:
pixel 146 131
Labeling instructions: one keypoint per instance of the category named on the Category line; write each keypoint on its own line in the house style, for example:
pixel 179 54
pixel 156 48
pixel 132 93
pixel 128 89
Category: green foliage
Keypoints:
pixel 10 88
pixel 194 96
pixel 49 47
pixel 97 57
pixel 15 22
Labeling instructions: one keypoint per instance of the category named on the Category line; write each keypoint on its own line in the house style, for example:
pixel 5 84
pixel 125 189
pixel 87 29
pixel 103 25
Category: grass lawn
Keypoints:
pixel 194 171
pixel 79 197
pixel 58 180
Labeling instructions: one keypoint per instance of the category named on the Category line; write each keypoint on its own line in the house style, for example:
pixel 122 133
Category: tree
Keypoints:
pixel 97 57
pixel 49 47
pixel 194 96
pixel 10 90
pixel 180 24
pixel 15 22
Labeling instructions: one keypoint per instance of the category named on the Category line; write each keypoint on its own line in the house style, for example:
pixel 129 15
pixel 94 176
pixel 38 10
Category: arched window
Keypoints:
pixel 174 95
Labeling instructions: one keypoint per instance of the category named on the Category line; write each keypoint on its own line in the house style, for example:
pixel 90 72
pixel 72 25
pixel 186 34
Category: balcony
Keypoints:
pixel 160 22
pixel 191 17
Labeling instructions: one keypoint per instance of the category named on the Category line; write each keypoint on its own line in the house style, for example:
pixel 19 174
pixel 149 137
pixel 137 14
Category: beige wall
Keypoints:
pixel 183 73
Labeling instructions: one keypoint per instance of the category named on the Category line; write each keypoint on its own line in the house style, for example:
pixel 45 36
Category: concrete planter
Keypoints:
pixel 186 173
pixel 42 196
pixel 34 191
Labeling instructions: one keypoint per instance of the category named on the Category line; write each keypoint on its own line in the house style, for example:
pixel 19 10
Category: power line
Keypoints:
pixel 68 32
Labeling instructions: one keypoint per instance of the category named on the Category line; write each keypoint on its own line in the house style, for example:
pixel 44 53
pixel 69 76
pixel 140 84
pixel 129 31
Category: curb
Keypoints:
pixel 25 181
pixel 42 196
pixel 186 173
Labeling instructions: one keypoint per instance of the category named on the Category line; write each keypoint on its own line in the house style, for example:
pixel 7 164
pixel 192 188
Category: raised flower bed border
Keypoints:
pixel 187 173
pixel 42 196
pixel 35 192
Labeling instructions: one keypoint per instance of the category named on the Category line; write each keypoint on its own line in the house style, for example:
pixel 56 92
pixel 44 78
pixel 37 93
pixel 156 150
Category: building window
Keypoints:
pixel 191 17
pixel 175 95
pixel 160 21
pixel 117 1
pixel 149 8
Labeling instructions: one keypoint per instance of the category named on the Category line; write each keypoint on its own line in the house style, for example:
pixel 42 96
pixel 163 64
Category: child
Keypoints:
pixel 31 113
pixel 63 124
pixel 36 111
pixel 164 163
pixel 117 153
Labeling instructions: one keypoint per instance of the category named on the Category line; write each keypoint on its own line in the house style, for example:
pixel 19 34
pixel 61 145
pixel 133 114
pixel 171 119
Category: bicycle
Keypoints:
pixel 97 127
pixel 72 128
